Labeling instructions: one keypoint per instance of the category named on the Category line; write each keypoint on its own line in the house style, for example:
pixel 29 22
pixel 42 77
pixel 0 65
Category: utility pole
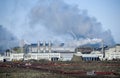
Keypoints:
pixel 38 49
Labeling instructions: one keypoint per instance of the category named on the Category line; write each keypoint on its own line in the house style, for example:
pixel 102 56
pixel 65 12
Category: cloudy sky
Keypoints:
pixel 40 19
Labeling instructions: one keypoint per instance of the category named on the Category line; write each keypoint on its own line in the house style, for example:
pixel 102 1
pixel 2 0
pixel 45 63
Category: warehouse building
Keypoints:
pixel 111 53
pixel 46 50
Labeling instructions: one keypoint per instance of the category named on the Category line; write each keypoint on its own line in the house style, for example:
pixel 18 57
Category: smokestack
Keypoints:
pixel 22 43
pixel 49 46
pixel 38 46
pixel 103 52
pixel 44 46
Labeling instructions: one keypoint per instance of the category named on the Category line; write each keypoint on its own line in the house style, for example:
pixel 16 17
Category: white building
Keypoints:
pixel 108 54
pixel 13 56
pixel 112 53
pixel 17 56
pixel 41 50
pixel 40 47
pixel 44 50
pixel 62 49
pixel 94 55
pixel 39 56
pixel 28 56
pixel 1 57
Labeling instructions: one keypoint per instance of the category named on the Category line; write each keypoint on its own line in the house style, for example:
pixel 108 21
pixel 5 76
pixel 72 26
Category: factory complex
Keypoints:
pixel 48 51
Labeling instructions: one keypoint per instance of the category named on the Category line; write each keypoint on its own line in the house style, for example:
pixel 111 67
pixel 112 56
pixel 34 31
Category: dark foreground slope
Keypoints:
pixel 46 69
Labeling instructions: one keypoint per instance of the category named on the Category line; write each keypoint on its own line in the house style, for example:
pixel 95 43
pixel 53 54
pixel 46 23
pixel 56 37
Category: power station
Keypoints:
pixel 48 51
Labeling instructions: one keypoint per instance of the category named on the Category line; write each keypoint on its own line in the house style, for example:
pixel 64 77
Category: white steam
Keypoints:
pixel 52 20
pixel 67 22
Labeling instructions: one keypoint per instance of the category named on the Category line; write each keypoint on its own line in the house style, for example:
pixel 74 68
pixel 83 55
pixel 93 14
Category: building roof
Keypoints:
pixel 117 44
pixel 41 44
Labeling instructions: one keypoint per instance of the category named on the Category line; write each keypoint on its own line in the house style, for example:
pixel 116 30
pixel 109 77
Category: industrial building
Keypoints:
pixel 93 56
pixel 111 53
pixel 1 58
pixel 46 50
pixel 41 50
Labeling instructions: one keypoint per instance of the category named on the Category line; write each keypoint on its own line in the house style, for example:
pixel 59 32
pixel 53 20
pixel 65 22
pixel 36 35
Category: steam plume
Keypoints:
pixel 62 19
pixel 50 20
pixel 7 40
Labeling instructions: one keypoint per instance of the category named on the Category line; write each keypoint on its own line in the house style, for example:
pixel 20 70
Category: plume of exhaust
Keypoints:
pixel 54 20
pixel 62 19
pixel 81 42
pixel 7 39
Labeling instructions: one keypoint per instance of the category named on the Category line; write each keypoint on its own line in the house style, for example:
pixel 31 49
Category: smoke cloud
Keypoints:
pixel 67 22
pixel 49 20
pixel 7 39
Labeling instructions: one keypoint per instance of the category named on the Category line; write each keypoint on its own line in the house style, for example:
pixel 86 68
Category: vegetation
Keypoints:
pixel 27 73
pixel 21 72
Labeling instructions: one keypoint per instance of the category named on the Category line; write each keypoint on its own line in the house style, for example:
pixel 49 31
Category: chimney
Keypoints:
pixel 38 49
pixel 103 48
pixel 49 46
pixel 22 43
pixel 44 46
